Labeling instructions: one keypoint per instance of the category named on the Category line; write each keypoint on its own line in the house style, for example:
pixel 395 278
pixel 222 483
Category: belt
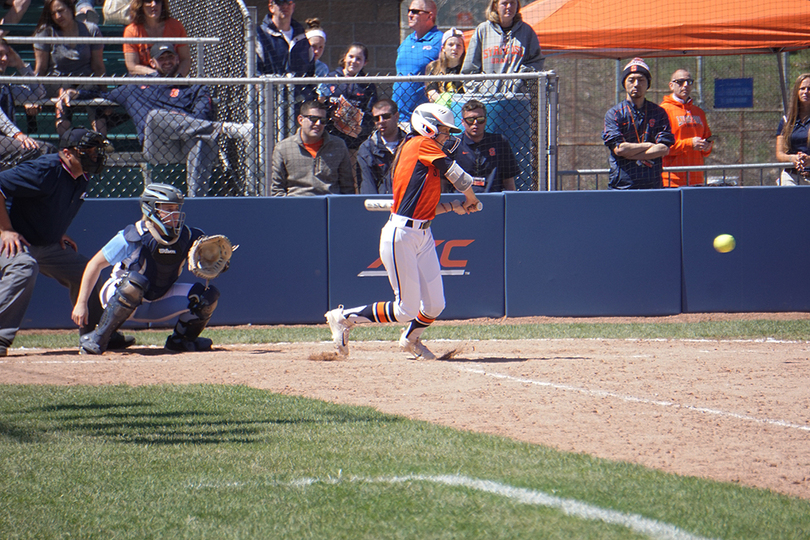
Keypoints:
pixel 402 221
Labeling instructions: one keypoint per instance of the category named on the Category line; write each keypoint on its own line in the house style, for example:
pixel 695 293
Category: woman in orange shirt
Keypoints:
pixel 151 18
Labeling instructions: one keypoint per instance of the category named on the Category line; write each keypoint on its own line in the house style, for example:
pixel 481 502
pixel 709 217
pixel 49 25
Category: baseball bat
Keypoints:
pixel 384 205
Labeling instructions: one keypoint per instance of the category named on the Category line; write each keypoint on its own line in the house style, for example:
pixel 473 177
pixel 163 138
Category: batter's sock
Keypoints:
pixel 381 312
pixel 417 326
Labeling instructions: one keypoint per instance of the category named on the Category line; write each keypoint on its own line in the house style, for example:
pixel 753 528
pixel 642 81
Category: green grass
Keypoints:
pixel 206 461
pixel 756 329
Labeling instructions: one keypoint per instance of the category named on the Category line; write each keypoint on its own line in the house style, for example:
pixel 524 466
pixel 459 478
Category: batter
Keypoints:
pixel 407 249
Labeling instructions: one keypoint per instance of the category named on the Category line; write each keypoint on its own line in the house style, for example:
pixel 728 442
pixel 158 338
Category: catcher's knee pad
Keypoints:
pixel 131 290
pixel 202 300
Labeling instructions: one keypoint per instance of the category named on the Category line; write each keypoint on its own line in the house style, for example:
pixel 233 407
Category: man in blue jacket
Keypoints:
pixel 174 122
pixel 283 49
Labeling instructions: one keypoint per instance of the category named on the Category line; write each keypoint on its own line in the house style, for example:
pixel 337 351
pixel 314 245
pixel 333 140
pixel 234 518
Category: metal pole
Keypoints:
pixel 553 130
pixel 542 152
pixel 269 134
pixel 253 145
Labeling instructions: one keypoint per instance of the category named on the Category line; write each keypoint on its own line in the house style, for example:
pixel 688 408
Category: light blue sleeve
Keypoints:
pixel 118 249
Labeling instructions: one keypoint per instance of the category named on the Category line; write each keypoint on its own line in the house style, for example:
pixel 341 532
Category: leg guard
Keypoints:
pixel 202 302
pixel 128 296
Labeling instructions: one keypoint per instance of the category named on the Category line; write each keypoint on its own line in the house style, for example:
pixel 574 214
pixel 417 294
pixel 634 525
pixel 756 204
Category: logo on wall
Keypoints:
pixel 450 266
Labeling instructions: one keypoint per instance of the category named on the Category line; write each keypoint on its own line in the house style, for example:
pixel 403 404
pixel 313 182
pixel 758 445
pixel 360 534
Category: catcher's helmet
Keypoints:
pixel 427 118
pixel 165 229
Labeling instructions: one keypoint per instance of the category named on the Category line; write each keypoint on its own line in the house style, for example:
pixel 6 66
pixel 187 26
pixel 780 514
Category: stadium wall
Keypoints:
pixel 590 253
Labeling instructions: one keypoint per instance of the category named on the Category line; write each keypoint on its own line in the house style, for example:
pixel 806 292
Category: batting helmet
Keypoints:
pixel 166 228
pixel 427 118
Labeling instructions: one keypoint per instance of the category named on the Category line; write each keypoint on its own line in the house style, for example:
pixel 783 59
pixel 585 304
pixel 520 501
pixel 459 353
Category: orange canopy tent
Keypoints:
pixel 599 28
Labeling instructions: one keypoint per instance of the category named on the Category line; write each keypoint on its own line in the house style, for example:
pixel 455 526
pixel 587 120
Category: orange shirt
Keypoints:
pixel 686 121
pixel 417 184
pixel 172 28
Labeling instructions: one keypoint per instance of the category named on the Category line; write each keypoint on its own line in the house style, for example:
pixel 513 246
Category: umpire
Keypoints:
pixel 38 201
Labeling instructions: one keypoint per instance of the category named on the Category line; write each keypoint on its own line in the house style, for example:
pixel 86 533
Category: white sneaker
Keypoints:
pixel 340 327
pixel 416 348
pixel 236 130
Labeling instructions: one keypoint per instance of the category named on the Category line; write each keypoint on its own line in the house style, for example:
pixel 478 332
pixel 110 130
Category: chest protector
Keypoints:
pixel 159 263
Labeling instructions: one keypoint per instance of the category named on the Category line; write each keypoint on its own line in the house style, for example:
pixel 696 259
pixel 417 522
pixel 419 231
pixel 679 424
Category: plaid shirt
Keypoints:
pixel 297 173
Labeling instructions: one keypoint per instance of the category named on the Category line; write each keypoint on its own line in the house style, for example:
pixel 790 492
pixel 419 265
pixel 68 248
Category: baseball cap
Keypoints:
pixel 160 48
pixel 453 32
pixel 80 137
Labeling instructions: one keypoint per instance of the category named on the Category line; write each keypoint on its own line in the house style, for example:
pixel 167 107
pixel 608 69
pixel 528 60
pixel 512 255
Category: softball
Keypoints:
pixel 724 243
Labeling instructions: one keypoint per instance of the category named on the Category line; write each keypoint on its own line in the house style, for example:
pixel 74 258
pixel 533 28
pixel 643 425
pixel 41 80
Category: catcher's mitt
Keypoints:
pixel 209 256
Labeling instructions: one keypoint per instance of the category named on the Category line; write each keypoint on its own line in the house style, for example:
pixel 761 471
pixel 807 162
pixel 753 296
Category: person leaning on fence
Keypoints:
pixel 420 48
pixel 310 161
pixel 637 133
pixel 487 157
pixel 174 122
pixel 449 62
pixel 282 47
pixel 16 146
pixel 68 60
pixel 793 135
pixel 376 154
pixel 317 40
pixel 502 44
pixel 350 103
pixel 693 138
pixel 45 195
pixel 152 19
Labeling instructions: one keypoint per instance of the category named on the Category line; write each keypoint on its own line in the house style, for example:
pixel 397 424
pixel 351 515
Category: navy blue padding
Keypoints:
pixel 594 253
pixel 768 270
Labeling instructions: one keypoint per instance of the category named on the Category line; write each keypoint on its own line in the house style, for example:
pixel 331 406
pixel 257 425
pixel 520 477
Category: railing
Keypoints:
pixel 721 180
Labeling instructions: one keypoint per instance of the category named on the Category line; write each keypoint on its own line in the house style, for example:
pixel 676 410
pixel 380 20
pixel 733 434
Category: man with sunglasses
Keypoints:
pixel 693 138
pixel 375 155
pixel 45 195
pixel 311 162
pixel 420 48
pixel 488 157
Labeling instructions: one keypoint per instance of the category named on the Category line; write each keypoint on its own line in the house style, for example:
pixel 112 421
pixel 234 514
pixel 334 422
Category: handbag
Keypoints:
pixel 116 11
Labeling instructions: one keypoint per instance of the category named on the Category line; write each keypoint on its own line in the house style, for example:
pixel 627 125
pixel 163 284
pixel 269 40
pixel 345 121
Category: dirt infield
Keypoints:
pixel 735 411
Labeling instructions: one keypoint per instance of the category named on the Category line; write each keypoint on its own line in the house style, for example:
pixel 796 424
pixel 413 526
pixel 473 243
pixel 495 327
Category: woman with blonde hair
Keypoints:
pixel 503 44
pixel 793 135
pixel 151 19
pixel 451 57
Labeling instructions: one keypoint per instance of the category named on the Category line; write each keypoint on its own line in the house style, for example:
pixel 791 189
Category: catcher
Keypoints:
pixel 149 257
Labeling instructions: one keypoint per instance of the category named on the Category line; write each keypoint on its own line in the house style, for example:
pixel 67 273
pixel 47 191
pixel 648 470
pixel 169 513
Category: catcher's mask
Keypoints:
pixel 90 146
pixel 165 225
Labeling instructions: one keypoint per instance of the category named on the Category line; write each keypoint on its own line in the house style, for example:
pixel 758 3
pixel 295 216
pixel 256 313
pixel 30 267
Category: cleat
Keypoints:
pixel 176 343
pixel 88 345
pixel 340 327
pixel 416 348
pixel 119 341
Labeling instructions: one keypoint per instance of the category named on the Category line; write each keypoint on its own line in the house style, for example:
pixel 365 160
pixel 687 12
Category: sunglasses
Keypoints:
pixel 681 82
pixel 383 116
pixel 480 120
pixel 314 118
pixel 416 11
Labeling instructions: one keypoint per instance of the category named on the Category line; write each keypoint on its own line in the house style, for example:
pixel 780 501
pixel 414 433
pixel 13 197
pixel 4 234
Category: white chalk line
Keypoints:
pixel 570 507
pixel 634 399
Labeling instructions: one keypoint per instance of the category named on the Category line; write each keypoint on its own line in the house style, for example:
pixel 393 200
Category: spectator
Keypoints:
pixel 793 135
pixel 174 122
pixel 351 102
pixel 637 133
pixel 414 54
pixel 376 154
pixel 311 162
pixel 15 12
pixel 152 19
pixel 487 157
pixel 43 196
pixel 16 146
pixel 283 47
pixel 503 44
pixel 450 60
pixel 317 40
pixel 86 11
pixel 693 138
pixel 74 60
